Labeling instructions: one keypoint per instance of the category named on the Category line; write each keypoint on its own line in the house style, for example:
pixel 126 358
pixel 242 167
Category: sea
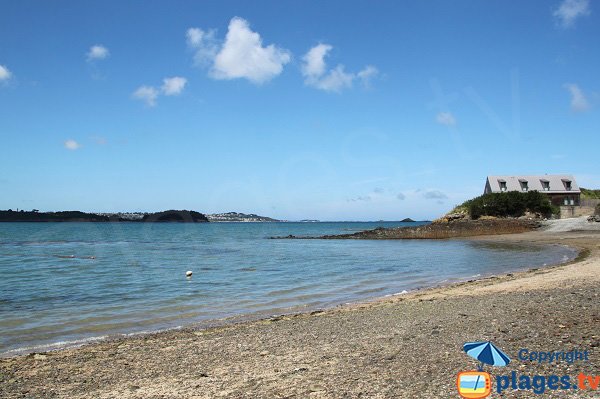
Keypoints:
pixel 65 284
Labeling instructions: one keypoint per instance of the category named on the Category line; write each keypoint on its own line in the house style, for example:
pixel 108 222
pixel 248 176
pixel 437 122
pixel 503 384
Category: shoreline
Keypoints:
pixel 316 353
pixel 294 311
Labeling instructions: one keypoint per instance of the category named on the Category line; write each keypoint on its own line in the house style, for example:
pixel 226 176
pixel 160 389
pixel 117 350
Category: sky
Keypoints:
pixel 336 110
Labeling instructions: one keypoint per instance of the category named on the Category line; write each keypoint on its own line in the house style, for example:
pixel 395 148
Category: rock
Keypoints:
pixel 455 216
pixel 39 356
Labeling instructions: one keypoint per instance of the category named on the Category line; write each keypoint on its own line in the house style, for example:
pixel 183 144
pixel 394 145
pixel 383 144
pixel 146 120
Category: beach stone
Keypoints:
pixel 316 388
pixel 39 356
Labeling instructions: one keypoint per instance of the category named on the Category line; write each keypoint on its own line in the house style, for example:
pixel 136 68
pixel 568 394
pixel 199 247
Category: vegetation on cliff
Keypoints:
pixel 510 204
pixel 591 194
pixel 35 216
pixel 175 216
pixel 77 216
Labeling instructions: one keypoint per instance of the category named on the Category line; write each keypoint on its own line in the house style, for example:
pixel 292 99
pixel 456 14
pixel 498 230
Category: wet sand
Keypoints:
pixel 408 346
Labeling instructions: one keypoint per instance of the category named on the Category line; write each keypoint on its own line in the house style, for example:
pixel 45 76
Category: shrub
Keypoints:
pixel 510 204
pixel 587 193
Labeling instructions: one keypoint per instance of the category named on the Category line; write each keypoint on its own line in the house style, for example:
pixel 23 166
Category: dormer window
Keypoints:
pixel 545 185
pixel 524 185
pixel 502 185
pixel 567 184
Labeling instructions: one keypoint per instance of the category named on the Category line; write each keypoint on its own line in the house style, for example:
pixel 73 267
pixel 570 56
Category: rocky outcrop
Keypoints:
pixel 450 229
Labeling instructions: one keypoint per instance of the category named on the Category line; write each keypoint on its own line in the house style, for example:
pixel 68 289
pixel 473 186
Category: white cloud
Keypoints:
pixel 314 61
pixel 570 10
pixel 148 94
pixel 445 118
pixel 204 45
pixel 368 73
pixel 97 52
pixel 243 56
pixel 360 198
pixel 336 80
pixel 434 194
pixel 72 145
pixel 194 37
pixel 99 140
pixel 173 86
pixel 5 74
pixel 314 70
pixel 578 101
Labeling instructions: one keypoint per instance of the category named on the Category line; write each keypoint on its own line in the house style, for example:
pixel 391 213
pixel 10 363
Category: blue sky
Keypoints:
pixel 337 110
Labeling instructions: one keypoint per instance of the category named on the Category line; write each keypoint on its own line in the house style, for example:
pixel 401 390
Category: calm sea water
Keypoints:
pixel 65 283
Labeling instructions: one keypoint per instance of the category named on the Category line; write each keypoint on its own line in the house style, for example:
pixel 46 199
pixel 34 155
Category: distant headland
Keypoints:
pixel 34 215
pixel 174 216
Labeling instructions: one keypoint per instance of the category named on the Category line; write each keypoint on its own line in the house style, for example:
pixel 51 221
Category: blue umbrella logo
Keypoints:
pixel 486 352
pixel 477 384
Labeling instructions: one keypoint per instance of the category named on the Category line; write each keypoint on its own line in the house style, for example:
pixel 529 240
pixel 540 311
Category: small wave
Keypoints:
pixel 53 346
pixel 403 292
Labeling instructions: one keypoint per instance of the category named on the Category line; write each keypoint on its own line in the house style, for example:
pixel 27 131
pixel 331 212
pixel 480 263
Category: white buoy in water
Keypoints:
pixel 188 273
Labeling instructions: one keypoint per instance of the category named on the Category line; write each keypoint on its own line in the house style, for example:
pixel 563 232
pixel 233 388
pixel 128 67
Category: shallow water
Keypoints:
pixel 64 283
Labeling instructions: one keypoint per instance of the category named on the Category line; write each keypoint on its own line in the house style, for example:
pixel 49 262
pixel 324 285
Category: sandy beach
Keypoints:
pixel 407 346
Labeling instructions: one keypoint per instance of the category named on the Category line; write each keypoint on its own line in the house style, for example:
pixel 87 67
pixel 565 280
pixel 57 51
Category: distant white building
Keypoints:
pixel 562 189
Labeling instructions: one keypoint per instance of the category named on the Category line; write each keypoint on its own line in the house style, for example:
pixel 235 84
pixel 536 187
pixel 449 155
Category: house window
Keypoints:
pixel 502 186
pixel 545 185
pixel 524 185
pixel 567 185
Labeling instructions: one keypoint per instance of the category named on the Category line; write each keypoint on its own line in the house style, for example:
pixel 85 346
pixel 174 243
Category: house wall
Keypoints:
pixel 559 199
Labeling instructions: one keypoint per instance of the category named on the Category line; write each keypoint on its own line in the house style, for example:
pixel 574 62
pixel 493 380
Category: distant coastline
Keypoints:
pixel 239 217
pixel 174 216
